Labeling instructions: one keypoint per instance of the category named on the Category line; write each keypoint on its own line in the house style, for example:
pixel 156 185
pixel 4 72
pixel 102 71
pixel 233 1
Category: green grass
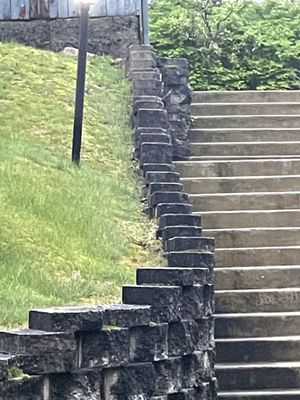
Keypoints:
pixel 68 235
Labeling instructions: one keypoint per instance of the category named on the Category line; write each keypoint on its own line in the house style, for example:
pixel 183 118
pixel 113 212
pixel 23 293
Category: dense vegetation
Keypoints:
pixel 231 44
pixel 67 234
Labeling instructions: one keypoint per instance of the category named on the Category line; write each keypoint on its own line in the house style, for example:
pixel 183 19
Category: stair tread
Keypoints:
pixel 246 143
pixel 258 248
pixel 258 268
pixel 262 392
pixel 259 339
pixel 236 178
pixel 246 103
pixel 259 314
pixel 264 290
pixel 258 365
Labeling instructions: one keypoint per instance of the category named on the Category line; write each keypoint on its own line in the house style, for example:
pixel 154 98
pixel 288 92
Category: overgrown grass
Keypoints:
pixel 67 235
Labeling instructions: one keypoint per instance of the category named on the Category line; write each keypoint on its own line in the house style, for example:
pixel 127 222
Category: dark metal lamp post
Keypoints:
pixel 80 84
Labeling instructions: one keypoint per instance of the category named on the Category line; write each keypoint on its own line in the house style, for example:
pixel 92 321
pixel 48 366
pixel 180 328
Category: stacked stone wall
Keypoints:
pixel 158 344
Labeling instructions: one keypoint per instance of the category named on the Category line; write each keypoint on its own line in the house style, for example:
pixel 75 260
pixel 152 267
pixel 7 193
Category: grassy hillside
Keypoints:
pixel 67 235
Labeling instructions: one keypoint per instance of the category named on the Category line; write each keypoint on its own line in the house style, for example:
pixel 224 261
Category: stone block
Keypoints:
pixel 193 302
pixel 154 137
pixel 136 381
pixel 182 230
pixel 193 367
pixel 126 315
pixel 82 385
pixel 165 301
pixel 174 75
pixel 207 326
pixel 155 152
pixel 40 352
pixel 191 243
pixel 168 376
pixel 178 100
pixel 140 47
pixel 209 303
pixel 168 197
pixel 32 388
pixel 164 187
pixel 191 259
pixel 161 176
pixel 140 65
pixel 173 276
pixel 25 341
pixel 179 219
pixel 6 362
pixel 181 151
pixel 152 118
pixel 107 348
pixel 47 363
pixel 158 167
pixel 58 319
pixel 197 368
pixel 149 343
pixel 184 338
pixel 147 87
pixel 141 55
pixel 173 208
pixel 184 394
pixel 144 74
pixel 176 61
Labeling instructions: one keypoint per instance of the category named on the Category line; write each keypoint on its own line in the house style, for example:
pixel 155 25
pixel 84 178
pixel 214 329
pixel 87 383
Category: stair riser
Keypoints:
pixel 256 135
pixel 257 278
pixel 198 109
pixel 260 397
pixel 238 168
pixel 257 351
pixel 255 219
pixel 231 302
pixel 266 378
pixel 257 257
pixel 255 326
pixel 240 185
pixel 255 238
pixel 246 122
pixel 246 96
pixel 257 149
pixel 246 202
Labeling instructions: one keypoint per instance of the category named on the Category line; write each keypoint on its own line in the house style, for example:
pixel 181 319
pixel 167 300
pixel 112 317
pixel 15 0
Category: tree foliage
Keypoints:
pixel 231 44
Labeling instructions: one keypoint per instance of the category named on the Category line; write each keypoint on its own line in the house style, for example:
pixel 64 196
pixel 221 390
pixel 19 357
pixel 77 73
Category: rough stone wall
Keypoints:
pixel 107 35
pixel 158 344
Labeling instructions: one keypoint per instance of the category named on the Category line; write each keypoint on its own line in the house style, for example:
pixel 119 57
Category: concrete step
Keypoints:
pixel 244 135
pixel 277 394
pixel 235 278
pixel 247 376
pixel 261 108
pixel 243 158
pixel 246 121
pixel 189 169
pixel 280 183
pixel 255 237
pixel 241 325
pixel 270 349
pixel 257 300
pixel 257 256
pixel 245 149
pixel 245 201
pixel 246 96
pixel 250 219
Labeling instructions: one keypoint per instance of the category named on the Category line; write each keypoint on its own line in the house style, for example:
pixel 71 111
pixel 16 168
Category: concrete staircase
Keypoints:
pixel 244 180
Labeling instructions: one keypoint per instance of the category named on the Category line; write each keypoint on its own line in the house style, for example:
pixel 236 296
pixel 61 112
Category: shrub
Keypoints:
pixel 231 44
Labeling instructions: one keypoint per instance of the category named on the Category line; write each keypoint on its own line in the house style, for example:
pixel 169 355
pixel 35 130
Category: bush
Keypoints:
pixel 231 44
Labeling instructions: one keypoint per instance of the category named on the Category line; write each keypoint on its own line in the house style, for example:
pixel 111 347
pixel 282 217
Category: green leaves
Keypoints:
pixel 241 44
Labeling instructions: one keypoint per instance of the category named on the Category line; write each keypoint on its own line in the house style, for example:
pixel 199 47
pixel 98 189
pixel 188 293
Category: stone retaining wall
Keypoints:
pixel 107 35
pixel 158 344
